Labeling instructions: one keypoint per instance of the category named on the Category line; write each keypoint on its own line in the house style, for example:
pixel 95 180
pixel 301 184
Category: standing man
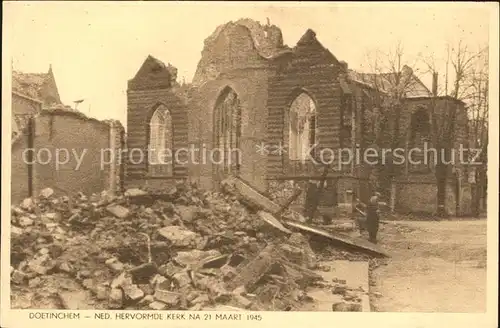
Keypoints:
pixel 372 217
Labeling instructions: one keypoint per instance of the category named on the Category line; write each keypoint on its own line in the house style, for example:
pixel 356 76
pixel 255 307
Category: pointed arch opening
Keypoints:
pixel 302 127
pixel 227 133
pixel 160 142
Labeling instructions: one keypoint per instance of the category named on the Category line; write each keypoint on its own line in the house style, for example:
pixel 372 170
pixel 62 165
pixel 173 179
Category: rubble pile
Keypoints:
pixel 181 249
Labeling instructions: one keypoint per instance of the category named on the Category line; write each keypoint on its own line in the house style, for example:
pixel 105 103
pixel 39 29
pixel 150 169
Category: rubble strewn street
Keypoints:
pixel 182 249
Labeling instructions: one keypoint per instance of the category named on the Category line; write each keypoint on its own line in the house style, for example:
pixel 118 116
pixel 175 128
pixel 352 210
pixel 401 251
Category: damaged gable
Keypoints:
pixel 405 81
pixel 154 74
pixel 39 86
pixel 310 49
pixel 238 45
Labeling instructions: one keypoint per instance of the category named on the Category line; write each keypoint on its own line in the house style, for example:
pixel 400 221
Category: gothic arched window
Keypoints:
pixel 227 129
pixel 160 142
pixel 302 127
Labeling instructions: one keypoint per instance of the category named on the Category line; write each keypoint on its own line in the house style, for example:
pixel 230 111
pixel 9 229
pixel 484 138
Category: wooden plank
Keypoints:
pixel 345 240
pixel 255 198
pixel 289 202
pixel 269 218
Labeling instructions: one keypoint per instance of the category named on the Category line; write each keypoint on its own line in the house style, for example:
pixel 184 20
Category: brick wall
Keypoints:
pixel 252 61
pixel 442 105
pixel 314 70
pixel 250 86
pixel 418 192
pixel 154 85
pixel 87 138
pixel 420 197
pixel 141 106
pixel 230 60
pixel 19 170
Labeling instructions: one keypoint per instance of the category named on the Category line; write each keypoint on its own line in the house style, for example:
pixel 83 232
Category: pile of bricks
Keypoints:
pixel 182 249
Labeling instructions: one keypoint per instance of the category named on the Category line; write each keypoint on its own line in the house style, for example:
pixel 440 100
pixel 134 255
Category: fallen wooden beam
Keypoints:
pixel 267 217
pixel 289 202
pixel 251 196
pixel 348 241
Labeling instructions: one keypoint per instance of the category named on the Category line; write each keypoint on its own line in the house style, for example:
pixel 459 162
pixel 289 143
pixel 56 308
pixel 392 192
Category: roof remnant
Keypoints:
pixel 39 86
pixel 390 82
pixel 154 72
pixel 28 83
pixel 308 37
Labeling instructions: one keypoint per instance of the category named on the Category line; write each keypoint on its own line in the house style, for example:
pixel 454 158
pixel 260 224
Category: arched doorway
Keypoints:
pixel 227 134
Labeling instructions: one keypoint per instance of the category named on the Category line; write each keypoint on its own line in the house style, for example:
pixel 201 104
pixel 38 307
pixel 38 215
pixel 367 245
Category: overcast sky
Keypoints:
pixel 95 47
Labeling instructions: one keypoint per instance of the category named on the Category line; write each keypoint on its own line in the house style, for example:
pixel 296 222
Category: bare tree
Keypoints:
pixel 477 99
pixel 444 119
pixel 392 79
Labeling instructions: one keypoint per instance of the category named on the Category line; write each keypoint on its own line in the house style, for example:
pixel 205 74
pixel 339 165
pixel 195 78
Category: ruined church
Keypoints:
pixel 272 103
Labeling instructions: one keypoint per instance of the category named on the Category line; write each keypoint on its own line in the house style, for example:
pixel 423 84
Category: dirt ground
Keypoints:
pixel 435 267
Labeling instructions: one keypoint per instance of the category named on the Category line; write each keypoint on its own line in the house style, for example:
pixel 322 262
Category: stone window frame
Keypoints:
pixel 227 130
pixel 160 152
pixel 294 151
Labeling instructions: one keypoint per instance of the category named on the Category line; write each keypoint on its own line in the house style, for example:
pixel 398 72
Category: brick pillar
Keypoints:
pixel 112 174
pixel 116 136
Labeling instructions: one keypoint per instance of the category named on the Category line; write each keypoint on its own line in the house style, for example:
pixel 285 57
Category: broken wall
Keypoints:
pixel 314 70
pixel 141 106
pixel 153 86
pixel 88 171
pixel 250 88
pixel 19 170
pixel 231 59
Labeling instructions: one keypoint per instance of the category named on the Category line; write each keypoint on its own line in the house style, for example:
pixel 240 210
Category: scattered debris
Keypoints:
pixel 46 193
pixel 182 249
pixel 118 211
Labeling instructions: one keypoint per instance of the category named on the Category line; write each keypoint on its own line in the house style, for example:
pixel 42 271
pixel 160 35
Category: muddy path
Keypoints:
pixel 435 267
